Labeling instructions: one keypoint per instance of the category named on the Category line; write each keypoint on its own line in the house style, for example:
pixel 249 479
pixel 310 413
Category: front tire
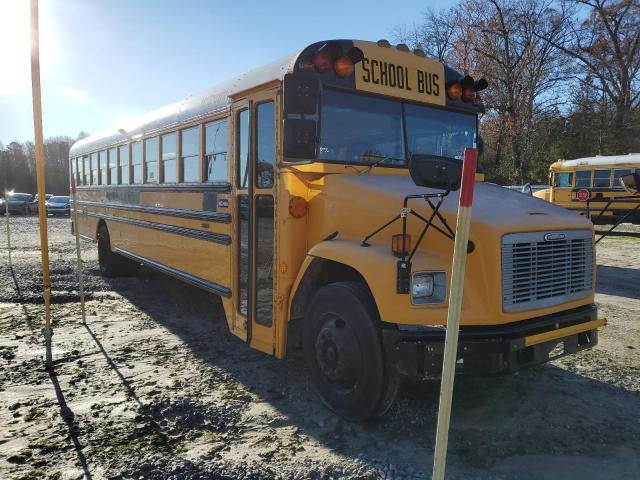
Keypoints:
pixel 343 350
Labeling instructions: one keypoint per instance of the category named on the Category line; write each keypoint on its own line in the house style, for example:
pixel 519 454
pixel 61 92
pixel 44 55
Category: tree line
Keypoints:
pixel 18 166
pixel 564 82
pixel 563 77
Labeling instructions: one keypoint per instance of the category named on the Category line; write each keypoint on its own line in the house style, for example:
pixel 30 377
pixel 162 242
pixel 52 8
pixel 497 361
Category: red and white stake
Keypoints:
pixel 453 315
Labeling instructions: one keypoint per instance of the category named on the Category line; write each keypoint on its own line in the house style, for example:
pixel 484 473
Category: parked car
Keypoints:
pixel 34 206
pixel 58 205
pixel 19 203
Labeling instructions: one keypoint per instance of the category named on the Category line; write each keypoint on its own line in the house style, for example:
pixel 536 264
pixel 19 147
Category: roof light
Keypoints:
pixel 402 47
pixel 454 91
pixel 468 95
pixel 419 52
pixel 383 43
pixel 343 66
pixel 322 61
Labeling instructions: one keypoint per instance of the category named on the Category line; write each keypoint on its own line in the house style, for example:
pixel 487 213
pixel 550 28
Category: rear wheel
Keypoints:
pixel 112 264
pixel 344 352
pixel 108 261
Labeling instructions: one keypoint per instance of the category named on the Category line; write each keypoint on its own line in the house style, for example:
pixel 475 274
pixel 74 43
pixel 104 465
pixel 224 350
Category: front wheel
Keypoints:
pixel 344 353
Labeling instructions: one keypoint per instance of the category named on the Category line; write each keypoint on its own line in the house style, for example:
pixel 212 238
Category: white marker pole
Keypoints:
pixel 453 315
pixel 6 212
pixel 76 230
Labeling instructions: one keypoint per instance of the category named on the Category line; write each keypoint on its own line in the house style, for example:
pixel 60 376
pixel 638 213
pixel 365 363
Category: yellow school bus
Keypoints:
pixel 603 198
pixel 279 191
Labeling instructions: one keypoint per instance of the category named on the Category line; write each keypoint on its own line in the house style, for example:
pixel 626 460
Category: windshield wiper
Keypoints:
pixel 382 159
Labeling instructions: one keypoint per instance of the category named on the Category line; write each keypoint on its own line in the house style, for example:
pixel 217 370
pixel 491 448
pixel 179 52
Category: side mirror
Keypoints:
pixel 435 172
pixel 631 182
pixel 301 94
pixel 300 138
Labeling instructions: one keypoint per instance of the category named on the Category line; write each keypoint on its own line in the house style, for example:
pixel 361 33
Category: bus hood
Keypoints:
pixel 371 200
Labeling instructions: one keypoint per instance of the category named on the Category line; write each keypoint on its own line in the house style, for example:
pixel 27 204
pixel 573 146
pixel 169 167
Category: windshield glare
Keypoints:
pixel 59 199
pixel 363 130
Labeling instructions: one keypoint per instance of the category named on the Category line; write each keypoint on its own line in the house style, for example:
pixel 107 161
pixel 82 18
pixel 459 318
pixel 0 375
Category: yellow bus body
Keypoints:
pixel 191 229
pixel 600 177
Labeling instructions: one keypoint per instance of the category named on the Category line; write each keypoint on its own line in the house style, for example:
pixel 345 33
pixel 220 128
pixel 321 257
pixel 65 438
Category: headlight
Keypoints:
pixel 428 288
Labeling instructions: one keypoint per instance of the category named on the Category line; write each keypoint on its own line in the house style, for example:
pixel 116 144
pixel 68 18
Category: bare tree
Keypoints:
pixel 606 49
pixel 435 35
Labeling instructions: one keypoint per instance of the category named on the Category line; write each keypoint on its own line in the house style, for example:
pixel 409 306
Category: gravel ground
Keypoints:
pixel 154 387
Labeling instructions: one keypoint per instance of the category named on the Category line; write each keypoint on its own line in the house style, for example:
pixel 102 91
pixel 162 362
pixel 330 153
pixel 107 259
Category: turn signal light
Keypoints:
pixel 396 244
pixel 454 91
pixel 297 207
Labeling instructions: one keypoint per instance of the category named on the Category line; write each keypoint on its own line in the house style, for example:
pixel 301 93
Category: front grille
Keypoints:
pixel 539 273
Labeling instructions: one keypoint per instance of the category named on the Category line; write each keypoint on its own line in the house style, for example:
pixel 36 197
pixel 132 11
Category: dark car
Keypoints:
pixel 35 204
pixel 58 205
pixel 19 203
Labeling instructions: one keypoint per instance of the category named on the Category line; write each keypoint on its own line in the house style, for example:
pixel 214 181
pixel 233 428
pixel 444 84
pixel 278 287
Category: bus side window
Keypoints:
pixel 620 172
pixel 583 179
pixel 602 179
pixel 86 171
pixel 113 167
pixel 136 161
pixel 563 179
pixel 151 160
pixel 243 149
pixel 168 157
pixel 94 169
pixel 215 154
pixel 124 164
pixel 190 154
pixel 102 156
pixel 265 145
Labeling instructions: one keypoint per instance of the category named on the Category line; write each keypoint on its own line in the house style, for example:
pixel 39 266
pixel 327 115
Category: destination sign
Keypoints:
pixel 388 71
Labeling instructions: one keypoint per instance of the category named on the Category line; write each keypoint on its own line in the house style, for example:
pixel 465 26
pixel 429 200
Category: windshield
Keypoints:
pixel 59 199
pixel 20 197
pixel 360 129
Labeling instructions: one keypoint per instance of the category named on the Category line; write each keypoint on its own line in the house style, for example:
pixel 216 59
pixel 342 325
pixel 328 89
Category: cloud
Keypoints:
pixel 73 94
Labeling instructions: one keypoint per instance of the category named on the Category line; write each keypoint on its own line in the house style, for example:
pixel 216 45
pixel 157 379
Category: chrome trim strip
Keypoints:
pixel 169 212
pixel 220 238
pixel 179 274
pixel 220 187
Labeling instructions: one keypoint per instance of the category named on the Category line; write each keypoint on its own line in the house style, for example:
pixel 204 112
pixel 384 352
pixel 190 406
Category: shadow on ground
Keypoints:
pixel 620 281
pixel 535 412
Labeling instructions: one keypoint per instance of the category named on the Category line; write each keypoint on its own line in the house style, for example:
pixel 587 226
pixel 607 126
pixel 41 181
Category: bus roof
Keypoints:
pixel 192 107
pixel 212 99
pixel 598 160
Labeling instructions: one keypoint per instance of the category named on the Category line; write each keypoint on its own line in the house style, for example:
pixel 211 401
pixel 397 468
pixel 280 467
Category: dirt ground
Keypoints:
pixel 154 387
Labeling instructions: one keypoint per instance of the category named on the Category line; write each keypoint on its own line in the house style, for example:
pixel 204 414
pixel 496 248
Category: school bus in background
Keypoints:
pixel 600 176
pixel 262 190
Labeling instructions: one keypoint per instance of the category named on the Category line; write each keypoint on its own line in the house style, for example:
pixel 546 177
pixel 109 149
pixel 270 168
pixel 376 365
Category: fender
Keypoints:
pixel 377 266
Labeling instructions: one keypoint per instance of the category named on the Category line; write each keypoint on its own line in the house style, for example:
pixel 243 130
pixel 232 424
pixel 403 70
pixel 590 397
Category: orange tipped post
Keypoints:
pixel 453 314
pixel 39 141
pixel 79 258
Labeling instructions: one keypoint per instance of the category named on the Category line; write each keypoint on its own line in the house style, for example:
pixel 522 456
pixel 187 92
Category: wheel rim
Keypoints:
pixel 338 354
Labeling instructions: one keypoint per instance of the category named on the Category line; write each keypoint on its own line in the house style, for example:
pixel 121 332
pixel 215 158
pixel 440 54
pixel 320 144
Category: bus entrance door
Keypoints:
pixel 256 153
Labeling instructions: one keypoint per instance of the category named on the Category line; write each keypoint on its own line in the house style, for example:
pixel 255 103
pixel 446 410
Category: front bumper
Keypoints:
pixel 493 350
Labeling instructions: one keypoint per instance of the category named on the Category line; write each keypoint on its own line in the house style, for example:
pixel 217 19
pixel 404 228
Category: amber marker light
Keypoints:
pixel 454 91
pixel 343 66
pixel 396 244
pixel 297 207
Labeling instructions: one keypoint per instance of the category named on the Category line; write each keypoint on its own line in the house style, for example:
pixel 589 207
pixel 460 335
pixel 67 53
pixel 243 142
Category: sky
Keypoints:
pixel 104 62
